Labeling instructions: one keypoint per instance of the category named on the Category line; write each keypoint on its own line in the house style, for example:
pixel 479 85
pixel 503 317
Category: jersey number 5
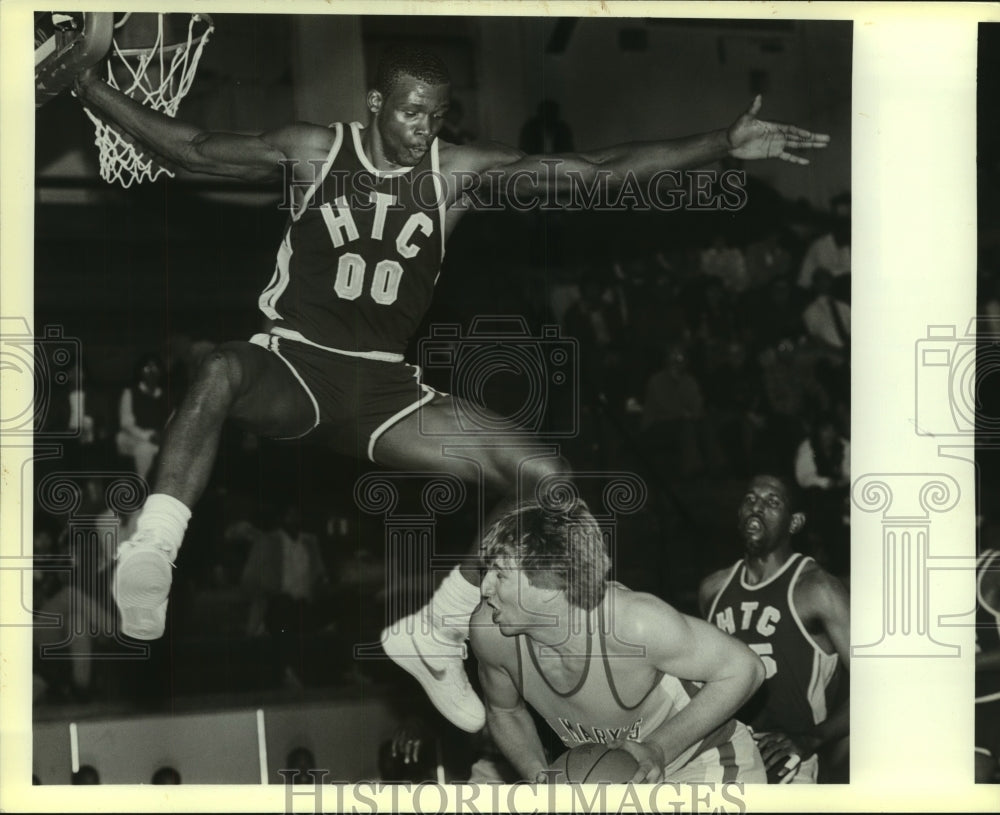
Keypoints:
pixel 351 279
pixel 764 651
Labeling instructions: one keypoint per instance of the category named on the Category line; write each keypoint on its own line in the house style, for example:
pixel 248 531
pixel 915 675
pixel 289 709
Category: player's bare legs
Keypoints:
pixel 238 381
pixel 511 466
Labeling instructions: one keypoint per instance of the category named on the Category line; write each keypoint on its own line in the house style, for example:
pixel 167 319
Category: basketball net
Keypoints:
pixel 174 64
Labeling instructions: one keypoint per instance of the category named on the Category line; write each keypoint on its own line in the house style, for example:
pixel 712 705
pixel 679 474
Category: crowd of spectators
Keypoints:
pixel 719 358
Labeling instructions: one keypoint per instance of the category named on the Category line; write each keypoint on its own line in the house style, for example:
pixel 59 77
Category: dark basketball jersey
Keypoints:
pixel 361 254
pixel 987 626
pixel 801 679
pixel 595 712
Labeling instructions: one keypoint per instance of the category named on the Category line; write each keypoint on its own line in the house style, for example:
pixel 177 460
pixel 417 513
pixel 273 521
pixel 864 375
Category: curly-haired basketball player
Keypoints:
pixel 356 268
pixel 797 617
pixel 601 663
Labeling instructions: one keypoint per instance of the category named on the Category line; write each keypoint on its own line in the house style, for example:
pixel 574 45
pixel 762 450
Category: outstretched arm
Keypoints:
pixel 689 648
pixel 747 138
pixel 178 144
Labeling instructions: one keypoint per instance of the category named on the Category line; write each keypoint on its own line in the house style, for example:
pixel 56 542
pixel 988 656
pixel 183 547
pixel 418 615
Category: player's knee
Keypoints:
pixel 538 470
pixel 221 374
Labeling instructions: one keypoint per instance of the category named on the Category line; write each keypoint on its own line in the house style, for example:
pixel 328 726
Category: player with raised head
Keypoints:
pixel 796 616
pixel 372 206
pixel 988 667
pixel 601 663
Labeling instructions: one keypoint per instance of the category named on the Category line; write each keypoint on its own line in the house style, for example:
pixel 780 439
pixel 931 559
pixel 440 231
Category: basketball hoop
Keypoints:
pixel 157 74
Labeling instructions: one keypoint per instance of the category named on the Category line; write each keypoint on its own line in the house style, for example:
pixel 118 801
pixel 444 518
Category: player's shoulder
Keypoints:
pixel 636 616
pixel 812 574
pixel 304 141
pixel 475 157
pixel 816 588
pixel 710 587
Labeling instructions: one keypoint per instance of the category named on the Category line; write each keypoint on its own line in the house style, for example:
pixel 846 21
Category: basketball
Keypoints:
pixel 595 764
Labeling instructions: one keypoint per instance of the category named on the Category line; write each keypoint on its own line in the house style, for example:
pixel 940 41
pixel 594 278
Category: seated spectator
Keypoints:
pixel 80 609
pixel 411 754
pixel 827 318
pixel 301 760
pixel 143 413
pixel 791 391
pixel 832 250
pixel 284 577
pixel 166 775
pixel 80 422
pixel 86 775
pixel 823 460
pixel 68 416
pixel 595 320
pixel 714 320
pixel 735 399
pixel 673 420
pixel 773 314
pixel 767 259
pixel 823 470
pixel 725 263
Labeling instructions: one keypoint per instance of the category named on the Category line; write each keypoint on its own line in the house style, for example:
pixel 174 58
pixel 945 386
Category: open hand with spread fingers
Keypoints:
pixel 752 138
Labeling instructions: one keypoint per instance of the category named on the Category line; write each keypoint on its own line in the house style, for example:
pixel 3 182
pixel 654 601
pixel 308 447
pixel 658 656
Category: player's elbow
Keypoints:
pixel 192 156
pixel 499 718
pixel 208 153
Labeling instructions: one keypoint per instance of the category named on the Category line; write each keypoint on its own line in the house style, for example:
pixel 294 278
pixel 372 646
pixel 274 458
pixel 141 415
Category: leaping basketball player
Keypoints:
pixel 796 616
pixel 352 282
pixel 603 664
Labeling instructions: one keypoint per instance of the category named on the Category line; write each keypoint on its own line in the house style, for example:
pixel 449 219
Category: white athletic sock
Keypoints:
pixel 452 606
pixel 166 516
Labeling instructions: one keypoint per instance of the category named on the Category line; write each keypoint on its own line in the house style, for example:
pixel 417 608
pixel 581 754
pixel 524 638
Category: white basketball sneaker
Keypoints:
pixel 438 667
pixel 142 583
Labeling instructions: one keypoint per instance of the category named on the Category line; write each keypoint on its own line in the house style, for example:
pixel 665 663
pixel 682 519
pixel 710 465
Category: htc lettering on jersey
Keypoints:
pixel 342 228
pixel 749 617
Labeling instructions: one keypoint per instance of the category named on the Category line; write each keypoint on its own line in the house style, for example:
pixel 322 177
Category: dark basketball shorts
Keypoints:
pixel 357 397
